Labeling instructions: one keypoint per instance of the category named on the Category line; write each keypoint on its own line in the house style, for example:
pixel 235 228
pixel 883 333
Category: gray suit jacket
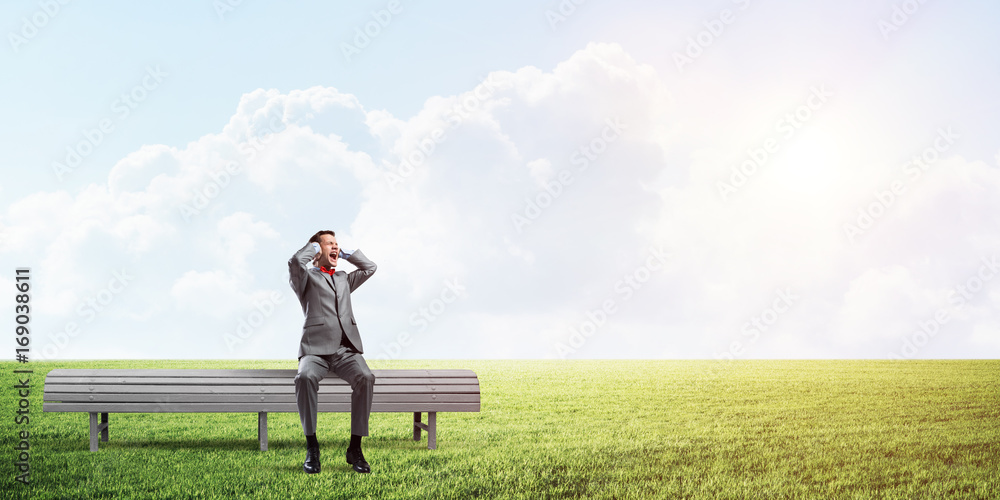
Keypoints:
pixel 326 301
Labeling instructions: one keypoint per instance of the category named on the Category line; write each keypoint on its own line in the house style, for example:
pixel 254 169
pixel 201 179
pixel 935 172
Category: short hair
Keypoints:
pixel 315 237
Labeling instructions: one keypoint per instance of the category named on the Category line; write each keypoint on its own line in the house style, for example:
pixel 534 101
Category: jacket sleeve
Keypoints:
pixel 365 268
pixel 298 267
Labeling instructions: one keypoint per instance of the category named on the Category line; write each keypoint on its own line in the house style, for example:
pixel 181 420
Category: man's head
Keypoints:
pixel 328 248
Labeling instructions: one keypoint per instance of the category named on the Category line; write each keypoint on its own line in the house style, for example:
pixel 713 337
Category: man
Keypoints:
pixel 330 339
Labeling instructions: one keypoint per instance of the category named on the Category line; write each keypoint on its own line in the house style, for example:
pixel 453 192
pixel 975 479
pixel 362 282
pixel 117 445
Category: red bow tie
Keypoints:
pixel 329 271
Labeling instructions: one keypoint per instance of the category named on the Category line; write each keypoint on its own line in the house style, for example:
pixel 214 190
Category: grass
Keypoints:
pixel 564 429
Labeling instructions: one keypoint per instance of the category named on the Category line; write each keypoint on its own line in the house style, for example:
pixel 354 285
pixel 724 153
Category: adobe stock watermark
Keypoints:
pixel 33 24
pixel 247 325
pixel 785 127
pixel 959 297
pixel 714 28
pixel 624 289
pixel 218 180
pixel 364 35
pixel 422 318
pixel 901 14
pixel 87 310
pixel 121 109
pixel 224 7
pixel 920 163
pixel 426 146
pixel 562 11
pixel 581 158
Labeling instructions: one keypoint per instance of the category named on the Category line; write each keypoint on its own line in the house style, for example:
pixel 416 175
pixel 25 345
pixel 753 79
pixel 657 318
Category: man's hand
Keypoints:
pixel 345 253
pixel 315 260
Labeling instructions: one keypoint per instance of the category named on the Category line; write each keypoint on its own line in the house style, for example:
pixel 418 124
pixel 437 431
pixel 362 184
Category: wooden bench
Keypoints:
pixel 106 391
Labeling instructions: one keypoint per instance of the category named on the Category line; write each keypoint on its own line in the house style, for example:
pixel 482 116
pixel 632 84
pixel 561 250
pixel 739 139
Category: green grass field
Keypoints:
pixel 563 429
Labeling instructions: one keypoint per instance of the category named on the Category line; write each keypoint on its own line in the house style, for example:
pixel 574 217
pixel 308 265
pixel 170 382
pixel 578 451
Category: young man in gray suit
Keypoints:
pixel 330 339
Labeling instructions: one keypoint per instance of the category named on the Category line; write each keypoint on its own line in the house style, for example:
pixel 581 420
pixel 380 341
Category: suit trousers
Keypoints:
pixel 346 364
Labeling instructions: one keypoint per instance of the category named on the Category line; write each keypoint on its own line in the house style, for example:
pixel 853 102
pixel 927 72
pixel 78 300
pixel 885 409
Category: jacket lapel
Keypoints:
pixel 332 282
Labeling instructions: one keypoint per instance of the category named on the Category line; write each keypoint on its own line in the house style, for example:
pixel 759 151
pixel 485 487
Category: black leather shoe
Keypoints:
pixel 311 466
pixel 356 459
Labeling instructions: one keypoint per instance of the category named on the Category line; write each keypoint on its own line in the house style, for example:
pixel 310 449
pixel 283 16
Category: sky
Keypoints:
pixel 571 179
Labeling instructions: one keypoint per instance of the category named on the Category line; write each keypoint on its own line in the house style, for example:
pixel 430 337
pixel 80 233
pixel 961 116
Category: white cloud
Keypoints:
pixel 215 294
pixel 239 234
pixel 881 303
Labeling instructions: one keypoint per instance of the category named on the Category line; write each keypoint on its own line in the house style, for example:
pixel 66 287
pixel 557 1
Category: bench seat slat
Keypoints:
pixel 236 389
pixel 268 373
pixel 256 381
pixel 248 407
pixel 324 397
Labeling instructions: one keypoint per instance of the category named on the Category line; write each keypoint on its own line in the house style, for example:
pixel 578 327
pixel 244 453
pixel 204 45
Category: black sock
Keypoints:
pixel 355 442
pixel 311 440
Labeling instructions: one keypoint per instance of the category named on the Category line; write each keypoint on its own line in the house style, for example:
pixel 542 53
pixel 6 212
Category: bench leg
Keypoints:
pixel 98 430
pixel 262 430
pixel 416 426
pixel 430 427
pixel 104 431
pixel 93 431
pixel 432 430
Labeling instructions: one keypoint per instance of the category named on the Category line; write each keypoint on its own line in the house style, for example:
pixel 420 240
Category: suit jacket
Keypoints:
pixel 326 301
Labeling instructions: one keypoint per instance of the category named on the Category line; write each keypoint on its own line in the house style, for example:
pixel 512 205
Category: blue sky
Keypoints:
pixel 827 101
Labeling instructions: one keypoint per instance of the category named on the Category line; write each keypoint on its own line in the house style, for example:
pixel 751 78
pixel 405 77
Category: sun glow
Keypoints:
pixel 811 166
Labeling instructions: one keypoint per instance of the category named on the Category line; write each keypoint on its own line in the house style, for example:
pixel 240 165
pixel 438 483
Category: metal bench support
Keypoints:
pixel 430 427
pixel 96 428
pixel 262 429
